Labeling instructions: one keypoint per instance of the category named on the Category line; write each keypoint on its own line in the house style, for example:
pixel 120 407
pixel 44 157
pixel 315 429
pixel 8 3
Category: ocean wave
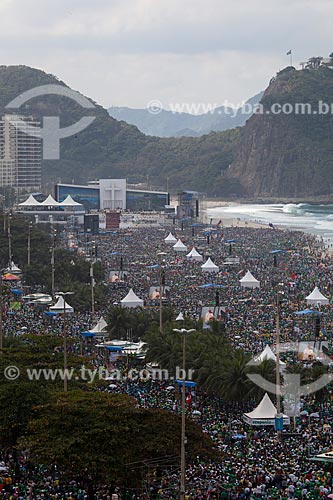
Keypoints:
pixel 292 208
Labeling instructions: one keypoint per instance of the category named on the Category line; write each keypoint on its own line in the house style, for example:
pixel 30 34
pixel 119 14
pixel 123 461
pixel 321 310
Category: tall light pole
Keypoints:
pixel 10 257
pixel 63 295
pixel 53 233
pixel 92 262
pixel 183 332
pixel 277 369
pixel 277 332
pixel 29 243
pixel 1 313
pixel 162 288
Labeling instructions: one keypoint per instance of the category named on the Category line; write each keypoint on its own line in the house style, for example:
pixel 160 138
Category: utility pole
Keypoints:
pixel 9 240
pixel 63 295
pixel 52 263
pixel 277 367
pixel 1 313
pixel 29 243
pixel 183 436
pixel 183 331
pixel 92 261
pixel 162 283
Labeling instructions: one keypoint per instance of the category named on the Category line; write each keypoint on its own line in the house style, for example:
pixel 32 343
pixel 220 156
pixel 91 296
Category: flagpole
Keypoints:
pixel 291 58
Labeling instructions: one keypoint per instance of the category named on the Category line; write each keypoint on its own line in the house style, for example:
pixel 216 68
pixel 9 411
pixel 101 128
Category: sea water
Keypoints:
pixel 314 219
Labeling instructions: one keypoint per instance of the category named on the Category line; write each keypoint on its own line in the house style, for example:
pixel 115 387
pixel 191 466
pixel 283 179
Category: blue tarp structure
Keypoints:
pixel 113 348
pixel 211 285
pixel 277 251
pixel 307 312
pixel 16 291
pixel 188 383
pixel 50 313
pixel 154 266
pixel 88 335
pixel 238 436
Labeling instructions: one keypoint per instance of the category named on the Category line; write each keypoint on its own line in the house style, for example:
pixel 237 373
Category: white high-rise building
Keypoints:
pixel 20 153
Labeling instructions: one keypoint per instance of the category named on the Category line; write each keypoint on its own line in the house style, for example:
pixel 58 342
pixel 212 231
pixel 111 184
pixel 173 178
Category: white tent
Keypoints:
pixel 131 300
pixel 69 202
pixel 170 239
pixel 12 268
pixel 59 306
pixel 100 326
pixel 316 297
pixel 264 414
pixel 249 281
pixel 194 255
pixel 209 266
pixel 29 202
pixel 180 247
pixel 49 202
pixel 267 353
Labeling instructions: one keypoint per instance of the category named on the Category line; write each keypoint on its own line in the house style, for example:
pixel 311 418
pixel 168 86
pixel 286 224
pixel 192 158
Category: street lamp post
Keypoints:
pixel 92 261
pixel 52 262
pixel 277 332
pixel 63 295
pixel 162 288
pixel 183 332
pixel 9 240
pixel 1 313
pixel 29 243
pixel 277 369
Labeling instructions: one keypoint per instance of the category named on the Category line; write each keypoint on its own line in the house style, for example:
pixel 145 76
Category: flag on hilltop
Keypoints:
pixel 289 53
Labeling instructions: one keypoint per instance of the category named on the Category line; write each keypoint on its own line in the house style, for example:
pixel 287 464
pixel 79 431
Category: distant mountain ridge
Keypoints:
pixel 176 124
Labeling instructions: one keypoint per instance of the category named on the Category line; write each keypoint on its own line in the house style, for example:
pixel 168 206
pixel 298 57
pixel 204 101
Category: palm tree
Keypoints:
pixel 267 370
pixel 229 378
pixel 119 322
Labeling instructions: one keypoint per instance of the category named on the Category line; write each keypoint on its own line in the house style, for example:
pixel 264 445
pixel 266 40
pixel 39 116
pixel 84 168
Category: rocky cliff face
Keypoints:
pixel 289 154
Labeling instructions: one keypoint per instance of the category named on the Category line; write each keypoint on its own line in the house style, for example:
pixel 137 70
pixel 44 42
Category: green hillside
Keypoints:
pixel 109 148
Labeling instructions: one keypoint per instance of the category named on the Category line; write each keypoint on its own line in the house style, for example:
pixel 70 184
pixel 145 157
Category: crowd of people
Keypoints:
pixel 254 463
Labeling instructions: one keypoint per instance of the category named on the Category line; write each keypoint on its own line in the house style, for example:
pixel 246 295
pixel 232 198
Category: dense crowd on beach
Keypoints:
pixel 255 465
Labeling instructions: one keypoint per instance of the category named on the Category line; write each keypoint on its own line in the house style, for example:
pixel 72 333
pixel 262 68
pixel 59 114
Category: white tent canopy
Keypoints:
pixel 194 255
pixel 59 306
pixel 249 281
pixel 131 300
pixel 180 247
pixel 69 202
pixel 100 326
pixel 316 297
pixel 267 354
pixel 29 202
pixel 209 266
pixel 264 414
pixel 170 239
pixel 50 202
pixel 12 268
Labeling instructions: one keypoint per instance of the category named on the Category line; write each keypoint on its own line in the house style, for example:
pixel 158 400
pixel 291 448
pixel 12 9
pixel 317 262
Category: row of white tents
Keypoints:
pixel 132 300
pixel 50 202
pixel 248 281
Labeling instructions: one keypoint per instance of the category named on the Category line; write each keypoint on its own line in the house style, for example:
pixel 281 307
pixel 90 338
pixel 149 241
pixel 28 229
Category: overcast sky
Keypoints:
pixel 129 52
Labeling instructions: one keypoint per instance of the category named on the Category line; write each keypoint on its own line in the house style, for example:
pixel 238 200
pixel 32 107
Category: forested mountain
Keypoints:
pixel 109 148
pixel 286 154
